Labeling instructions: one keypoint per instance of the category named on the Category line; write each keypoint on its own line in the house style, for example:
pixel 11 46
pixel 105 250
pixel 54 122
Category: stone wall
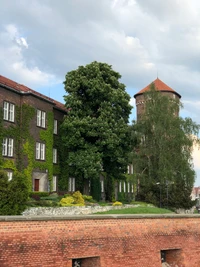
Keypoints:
pixel 73 210
pixel 100 240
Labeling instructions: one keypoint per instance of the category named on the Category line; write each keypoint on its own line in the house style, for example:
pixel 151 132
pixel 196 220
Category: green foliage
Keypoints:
pixel 13 194
pixel 88 198
pixel 25 145
pixel 117 203
pixel 67 201
pixel 40 194
pixel 78 198
pixel 162 158
pixel 96 132
pixel 122 197
pixel 96 189
pixel 75 200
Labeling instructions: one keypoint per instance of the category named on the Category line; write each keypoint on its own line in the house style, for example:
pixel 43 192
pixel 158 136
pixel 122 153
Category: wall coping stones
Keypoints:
pixel 97 217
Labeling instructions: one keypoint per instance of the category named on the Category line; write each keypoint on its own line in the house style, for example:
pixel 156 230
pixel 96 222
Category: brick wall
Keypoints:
pixel 113 240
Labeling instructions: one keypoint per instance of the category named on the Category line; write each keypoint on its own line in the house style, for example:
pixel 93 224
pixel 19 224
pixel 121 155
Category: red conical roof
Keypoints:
pixel 160 86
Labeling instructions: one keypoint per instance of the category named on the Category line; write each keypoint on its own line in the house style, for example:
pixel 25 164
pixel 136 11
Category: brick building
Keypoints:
pixel 160 86
pixel 30 134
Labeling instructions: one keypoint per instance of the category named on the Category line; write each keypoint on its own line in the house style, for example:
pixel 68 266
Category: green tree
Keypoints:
pixel 13 194
pixel 96 131
pixel 163 155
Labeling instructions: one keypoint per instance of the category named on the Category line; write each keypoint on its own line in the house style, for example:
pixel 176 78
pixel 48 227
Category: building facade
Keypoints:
pixel 160 86
pixel 30 134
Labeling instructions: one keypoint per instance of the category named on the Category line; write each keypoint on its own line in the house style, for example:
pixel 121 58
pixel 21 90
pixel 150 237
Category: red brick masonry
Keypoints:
pixel 100 240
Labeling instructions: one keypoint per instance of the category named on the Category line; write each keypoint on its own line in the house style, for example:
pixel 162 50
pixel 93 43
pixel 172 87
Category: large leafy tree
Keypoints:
pixel 95 131
pixel 163 158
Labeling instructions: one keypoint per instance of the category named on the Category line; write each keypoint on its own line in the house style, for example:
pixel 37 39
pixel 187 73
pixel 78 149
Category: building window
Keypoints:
pixel 128 187
pixel 71 185
pixel 54 183
pixel 130 169
pixel 120 186
pixel 10 175
pixel 40 151
pixel 54 155
pixel 124 187
pixel 41 118
pixel 55 127
pixel 102 186
pixel 7 149
pixel 8 111
pixel 132 188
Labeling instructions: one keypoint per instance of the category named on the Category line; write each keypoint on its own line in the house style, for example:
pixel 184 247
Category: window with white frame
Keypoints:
pixel 55 127
pixel 7 149
pixel 40 151
pixel 132 188
pixel 54 183
pixel 124 187
pixel 71 184
pixel 8 111
pixel 120 186
pixel 102 186
pixel 130 169
pixel 10 175
pixel 128 187
pixel 41 118
pixel 55 155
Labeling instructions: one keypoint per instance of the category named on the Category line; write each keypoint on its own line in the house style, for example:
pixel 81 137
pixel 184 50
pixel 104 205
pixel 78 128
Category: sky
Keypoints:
pixel 40 41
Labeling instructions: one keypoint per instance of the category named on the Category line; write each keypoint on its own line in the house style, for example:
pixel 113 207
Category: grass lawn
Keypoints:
pixel 138 210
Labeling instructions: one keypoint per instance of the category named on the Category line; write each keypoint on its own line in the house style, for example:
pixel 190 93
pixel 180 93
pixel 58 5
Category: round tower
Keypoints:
pixel 160 86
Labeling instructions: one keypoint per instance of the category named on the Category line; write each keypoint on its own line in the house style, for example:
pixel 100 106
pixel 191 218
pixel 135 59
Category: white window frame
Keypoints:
pixel 124 187
pixel 7 149
pixel 54 183
pixel 120 186
pixel 71 184
pixel 102 186
pixel 41 118
pixel 8 111
pixel 55 126
pixel 40 151
pixel 128 187
pixel 10 175
pixel 55 155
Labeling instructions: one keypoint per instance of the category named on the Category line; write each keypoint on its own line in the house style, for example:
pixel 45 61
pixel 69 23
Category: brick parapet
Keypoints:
pixel 104 240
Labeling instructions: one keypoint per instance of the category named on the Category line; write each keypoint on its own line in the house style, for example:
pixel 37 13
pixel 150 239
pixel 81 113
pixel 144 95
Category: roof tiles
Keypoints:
pixel 24 89
pixel 160 86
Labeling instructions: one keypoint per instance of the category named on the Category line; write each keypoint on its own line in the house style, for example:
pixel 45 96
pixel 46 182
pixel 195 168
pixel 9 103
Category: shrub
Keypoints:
pixel 13 194
pixel 75 200
pixel 38 195
pixel 78 198
pixel 88 198
pixel 117 203
pixel 67 201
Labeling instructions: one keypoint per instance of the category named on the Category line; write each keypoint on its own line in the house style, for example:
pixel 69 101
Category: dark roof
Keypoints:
pixel 22 89
pixel 160 86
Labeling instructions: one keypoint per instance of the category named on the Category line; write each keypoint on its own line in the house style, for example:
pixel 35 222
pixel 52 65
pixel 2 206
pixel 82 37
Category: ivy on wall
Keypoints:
pixel 24 144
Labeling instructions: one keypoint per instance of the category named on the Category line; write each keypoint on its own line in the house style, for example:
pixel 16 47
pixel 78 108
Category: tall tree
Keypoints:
pixel 163 158
pixel 96 131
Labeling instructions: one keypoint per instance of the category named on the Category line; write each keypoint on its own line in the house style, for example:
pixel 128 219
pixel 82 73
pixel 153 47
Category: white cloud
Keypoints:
pixel 22 42
pixel 13 60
